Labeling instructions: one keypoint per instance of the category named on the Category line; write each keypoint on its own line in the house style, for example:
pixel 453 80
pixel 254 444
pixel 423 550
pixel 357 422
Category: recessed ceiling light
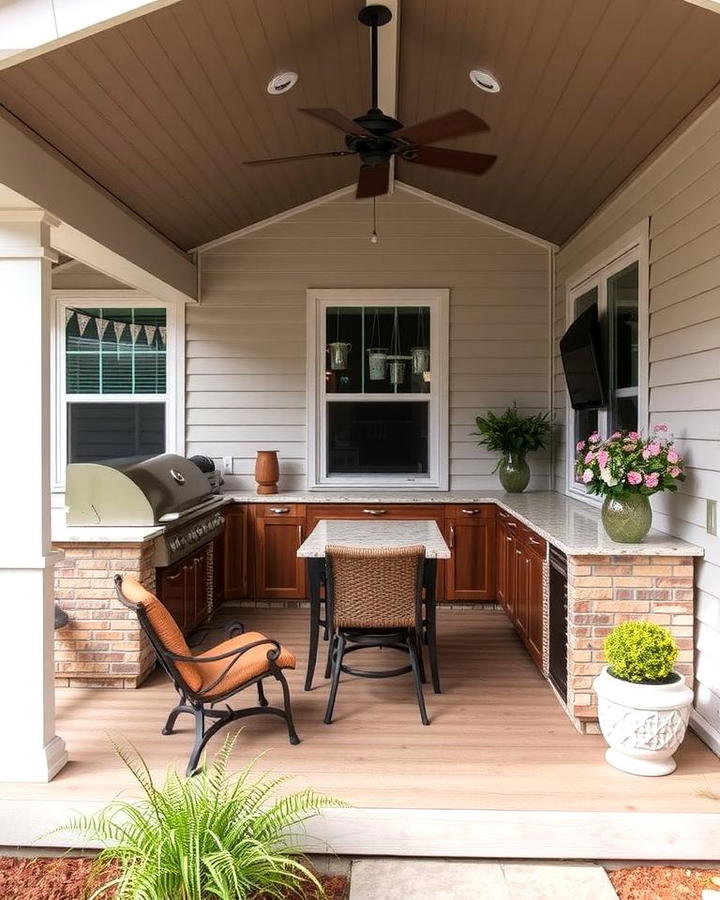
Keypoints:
pixel 280 84
pixel 484 80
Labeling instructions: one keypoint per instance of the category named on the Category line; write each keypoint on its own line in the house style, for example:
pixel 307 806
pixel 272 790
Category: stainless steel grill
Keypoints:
pixel 166 490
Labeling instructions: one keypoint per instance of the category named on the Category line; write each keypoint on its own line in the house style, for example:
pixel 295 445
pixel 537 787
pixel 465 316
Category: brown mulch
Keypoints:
pixel 66 878
pixel 663 883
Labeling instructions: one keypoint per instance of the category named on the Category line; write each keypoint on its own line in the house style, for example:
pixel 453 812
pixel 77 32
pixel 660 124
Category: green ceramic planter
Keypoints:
pixel 627 519
pixel 514 473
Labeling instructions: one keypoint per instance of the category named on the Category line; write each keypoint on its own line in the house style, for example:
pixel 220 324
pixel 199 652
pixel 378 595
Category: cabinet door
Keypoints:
pixel 534 634
pixel 172 591
pixel 501 556
pixel 470 573
pixel 279 574
pixel 197 595
pixel 235 552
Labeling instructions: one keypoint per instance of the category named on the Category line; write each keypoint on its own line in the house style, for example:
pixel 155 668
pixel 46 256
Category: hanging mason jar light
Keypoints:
pixel 377 356
pixel 420 355
pixel 339 350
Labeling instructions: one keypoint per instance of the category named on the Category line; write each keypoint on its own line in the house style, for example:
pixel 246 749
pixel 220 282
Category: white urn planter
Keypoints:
pixel 644 724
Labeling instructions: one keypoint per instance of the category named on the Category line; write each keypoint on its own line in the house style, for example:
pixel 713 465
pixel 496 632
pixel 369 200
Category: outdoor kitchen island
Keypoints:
pixel 501 549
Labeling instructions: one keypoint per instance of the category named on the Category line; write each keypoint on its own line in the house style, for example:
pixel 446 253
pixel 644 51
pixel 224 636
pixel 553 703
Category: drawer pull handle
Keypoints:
pixel 299 529
pixel 511 524
pixel 507 537
pixel 279 510
pixel 533 541
pixel 470 512
pixel 519 552
pixel 375 512
pixel 452 537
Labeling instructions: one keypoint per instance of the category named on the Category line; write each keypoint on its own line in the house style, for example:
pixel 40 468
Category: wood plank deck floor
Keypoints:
pixel 498 738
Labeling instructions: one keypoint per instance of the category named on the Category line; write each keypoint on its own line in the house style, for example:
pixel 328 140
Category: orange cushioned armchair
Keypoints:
pixel 207 678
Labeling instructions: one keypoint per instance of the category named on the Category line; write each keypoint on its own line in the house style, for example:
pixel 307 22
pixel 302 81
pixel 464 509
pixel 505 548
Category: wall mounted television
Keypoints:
pixel 581 359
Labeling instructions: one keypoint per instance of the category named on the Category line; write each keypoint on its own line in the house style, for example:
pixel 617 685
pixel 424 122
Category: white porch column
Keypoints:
pixel 29 747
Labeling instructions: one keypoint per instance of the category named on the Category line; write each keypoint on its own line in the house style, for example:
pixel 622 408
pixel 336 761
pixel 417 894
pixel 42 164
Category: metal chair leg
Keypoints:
pixel 293 735
pixel 413 647
pixel 262 699
pixel 338 643
pixel 172 717
pixel 200 740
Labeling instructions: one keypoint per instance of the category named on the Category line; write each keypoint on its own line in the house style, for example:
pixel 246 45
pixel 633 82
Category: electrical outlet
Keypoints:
pixel 227 465
pixel 711 516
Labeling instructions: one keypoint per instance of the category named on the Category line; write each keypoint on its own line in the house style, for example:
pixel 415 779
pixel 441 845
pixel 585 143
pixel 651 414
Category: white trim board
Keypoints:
pixel 399 186
pixel 472 833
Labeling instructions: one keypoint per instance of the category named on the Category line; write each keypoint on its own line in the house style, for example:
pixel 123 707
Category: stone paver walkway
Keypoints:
pixel 449 879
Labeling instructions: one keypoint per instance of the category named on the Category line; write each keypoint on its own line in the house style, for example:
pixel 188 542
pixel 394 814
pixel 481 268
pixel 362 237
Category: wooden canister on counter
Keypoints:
pixel 267 471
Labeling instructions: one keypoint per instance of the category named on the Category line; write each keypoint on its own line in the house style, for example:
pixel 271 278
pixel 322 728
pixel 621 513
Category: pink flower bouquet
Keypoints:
pixel 629 463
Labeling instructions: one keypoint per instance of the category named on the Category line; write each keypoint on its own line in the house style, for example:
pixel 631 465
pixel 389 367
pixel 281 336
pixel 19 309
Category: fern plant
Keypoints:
pixel 511 432
pixel 210 836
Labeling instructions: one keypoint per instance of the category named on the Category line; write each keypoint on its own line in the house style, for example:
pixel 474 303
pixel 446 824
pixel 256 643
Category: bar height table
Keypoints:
pixel 378 535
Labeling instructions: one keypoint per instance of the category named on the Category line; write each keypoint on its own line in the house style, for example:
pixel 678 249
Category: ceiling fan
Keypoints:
pixel 376 138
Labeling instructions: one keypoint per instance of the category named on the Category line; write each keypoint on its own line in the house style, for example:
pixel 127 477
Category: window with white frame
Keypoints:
pixel 377 384
pixel 114 370
pixel 617 283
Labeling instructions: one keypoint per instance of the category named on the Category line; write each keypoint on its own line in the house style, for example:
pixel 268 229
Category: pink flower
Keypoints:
pixel 651 480
pixel 634 436
pixel 651 450
pixel 615 436
pixel 580 446
pixel 675 472
pixel 589 457
pixel 587 475
pixel 661 428
pixel 634 477
pixel 594 437
pixel 602 458
pixel 673 457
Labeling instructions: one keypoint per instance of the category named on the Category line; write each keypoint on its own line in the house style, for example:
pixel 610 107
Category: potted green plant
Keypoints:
pixel 218 835
pixel 514 436
pixel 643 704
pixel 627 469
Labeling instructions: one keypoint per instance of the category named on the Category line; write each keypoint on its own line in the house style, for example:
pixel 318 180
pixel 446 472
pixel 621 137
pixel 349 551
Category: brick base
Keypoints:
pixel 606 590
pixel 102 644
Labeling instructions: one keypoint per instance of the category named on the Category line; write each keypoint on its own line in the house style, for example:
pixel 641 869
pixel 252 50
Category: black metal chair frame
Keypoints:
pixel 346 640
pixel 197 703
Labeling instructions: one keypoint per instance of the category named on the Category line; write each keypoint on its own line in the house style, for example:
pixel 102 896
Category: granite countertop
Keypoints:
pixel 359 533
pixel 570 525
pixel 95 534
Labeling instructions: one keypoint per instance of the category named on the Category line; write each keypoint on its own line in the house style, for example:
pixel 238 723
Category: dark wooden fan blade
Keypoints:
pixel 373 180
pixel 445 158
pixel 338 120
pixel 449 125
pixel 282 159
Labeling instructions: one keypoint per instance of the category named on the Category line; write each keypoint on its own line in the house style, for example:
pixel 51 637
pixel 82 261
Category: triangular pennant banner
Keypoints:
pixel 135 332
pixel 118 328
pixel 150 333
pixel 82 322
pixel 163 332
pixel 101 325
pixel 69 313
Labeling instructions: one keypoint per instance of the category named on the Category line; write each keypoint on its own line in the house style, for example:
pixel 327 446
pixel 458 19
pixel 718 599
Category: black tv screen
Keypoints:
pixel 580 351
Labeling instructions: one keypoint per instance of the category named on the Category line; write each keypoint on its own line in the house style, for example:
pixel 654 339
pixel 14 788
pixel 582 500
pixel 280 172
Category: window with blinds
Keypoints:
pixel 115 382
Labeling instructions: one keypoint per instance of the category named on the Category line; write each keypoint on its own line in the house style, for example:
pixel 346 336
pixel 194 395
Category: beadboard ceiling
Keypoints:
pixel 161 111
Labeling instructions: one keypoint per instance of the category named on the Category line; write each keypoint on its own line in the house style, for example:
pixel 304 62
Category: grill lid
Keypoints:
pixel 128 492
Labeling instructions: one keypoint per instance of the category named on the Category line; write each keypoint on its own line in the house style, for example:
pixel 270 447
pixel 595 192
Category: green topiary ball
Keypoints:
pixel 641 652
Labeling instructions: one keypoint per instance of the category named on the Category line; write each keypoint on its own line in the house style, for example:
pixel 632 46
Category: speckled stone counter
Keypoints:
pixel 383 535
pixel 570 525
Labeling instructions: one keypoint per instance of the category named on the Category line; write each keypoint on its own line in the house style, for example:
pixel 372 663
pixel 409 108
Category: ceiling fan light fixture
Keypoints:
pixel 484 80
pixel 282 83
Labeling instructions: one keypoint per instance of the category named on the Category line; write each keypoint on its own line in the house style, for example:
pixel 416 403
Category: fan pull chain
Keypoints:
pixel 373 236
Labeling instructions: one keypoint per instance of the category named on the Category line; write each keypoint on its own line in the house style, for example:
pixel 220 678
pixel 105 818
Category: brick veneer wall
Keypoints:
pixel 102 645
pixel 606 590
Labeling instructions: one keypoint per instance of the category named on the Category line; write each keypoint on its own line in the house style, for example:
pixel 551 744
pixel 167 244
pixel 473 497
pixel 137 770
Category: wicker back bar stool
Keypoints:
pixel 374 599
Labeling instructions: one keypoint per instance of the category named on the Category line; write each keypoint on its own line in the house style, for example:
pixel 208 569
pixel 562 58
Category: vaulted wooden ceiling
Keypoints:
pixel 161 111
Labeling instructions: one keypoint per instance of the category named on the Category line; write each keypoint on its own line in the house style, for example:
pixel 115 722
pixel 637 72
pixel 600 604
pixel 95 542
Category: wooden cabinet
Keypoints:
pixel 520 560
pixel 470 572
pixel 235 552
pixel 278 532
pixel 183 588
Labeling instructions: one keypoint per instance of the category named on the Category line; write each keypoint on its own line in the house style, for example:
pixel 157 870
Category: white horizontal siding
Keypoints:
pixel 246 339
pixel 680 193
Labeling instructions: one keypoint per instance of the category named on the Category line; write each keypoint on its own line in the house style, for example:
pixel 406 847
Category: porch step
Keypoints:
pixel 450 879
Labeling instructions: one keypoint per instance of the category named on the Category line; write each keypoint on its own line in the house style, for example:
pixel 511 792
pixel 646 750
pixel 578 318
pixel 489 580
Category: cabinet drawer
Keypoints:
pixel 375 511
pixel 278 510
pixel 468 512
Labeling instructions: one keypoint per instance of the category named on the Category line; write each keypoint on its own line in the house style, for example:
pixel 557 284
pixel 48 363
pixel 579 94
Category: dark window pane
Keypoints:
pixel 622 297
pixel 624 414
pixel 99 431
pixel 378 438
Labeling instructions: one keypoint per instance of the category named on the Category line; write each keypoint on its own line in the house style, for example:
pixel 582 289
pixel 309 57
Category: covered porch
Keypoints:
pixel 500 772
